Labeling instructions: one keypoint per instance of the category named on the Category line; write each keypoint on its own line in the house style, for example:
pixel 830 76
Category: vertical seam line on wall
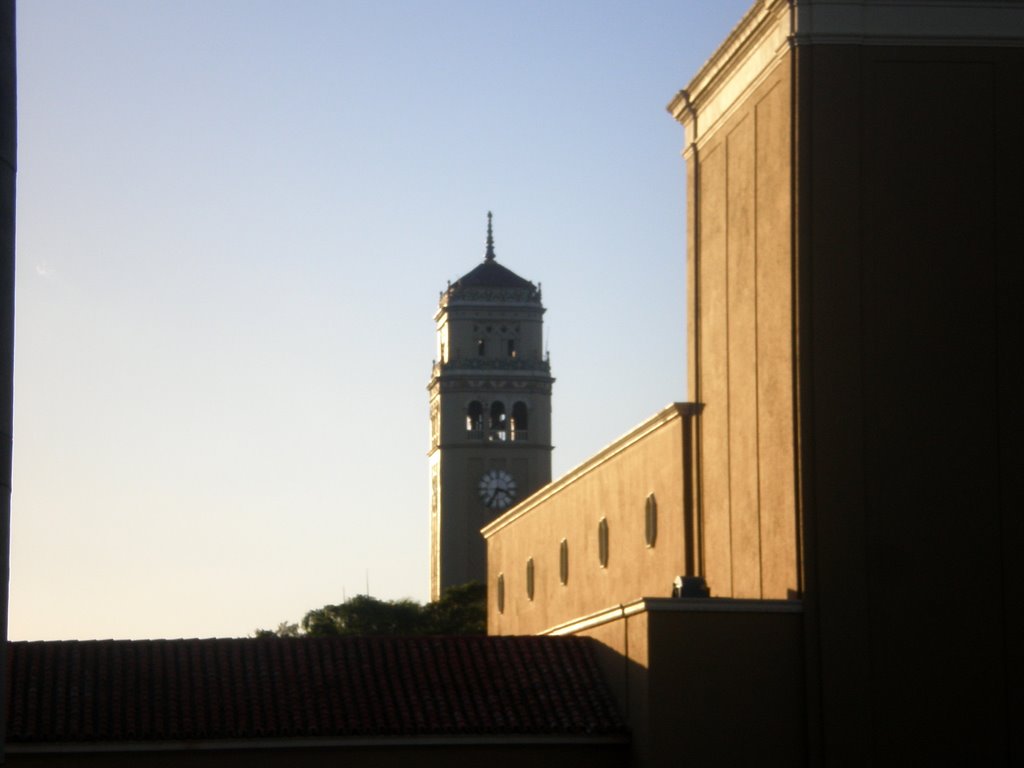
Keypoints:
pixel 800 324
pixel 871 714
pixel 697 364
pixel 757 379
pixel 997 230
pixel 796 265
pixel 728 370
pixel 625 656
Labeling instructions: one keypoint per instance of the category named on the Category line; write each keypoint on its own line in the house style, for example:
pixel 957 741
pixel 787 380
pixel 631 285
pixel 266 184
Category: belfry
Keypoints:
pixel 490 413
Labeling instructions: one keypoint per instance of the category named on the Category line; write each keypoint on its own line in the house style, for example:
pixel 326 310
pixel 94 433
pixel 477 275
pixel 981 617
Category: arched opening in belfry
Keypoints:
pixel 499 421
pixel 475 417
pixel 519 424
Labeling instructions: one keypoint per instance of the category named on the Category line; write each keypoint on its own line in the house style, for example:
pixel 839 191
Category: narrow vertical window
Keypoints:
pixel 529 578
pixel 501 593
pixel 563 562
pixel 499 421
pixel 650 520
pixel 602 542
pixel 480 347
pixel 475 417
pixel 511 347
pixel 519 422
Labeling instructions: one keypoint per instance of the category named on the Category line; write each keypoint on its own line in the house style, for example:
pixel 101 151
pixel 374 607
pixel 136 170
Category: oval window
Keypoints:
pixel 563 562
pixel 650 520
pixel 602 542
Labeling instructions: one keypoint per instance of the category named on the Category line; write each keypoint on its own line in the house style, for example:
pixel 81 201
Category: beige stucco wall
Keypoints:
pixel 614 485
pixel 909 243
pixel 854 334
pixel 854 176
pixel 740 336
pixel 719 681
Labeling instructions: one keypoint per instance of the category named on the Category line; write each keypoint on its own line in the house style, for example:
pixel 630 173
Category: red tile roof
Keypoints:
pixel 124 690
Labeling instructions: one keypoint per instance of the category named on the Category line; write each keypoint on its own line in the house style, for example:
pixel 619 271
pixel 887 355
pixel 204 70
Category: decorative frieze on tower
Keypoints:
pixel 490 413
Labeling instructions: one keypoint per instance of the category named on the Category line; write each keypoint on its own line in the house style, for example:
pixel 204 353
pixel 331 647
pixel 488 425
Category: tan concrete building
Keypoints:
pixel 854 271
pixel 597 553
pixel 619 524
pixel 846 483
pixel 490 413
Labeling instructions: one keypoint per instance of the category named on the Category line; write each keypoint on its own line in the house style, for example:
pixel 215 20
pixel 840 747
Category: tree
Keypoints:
pixel 462 610
pixel 284 629
pixel 364 615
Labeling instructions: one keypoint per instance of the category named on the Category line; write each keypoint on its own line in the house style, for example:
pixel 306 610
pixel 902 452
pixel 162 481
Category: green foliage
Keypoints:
pixel 462 610
pixel 284 629
pixel 364 615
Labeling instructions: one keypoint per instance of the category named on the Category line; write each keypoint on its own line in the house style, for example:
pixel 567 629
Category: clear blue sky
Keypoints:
pixel 234 220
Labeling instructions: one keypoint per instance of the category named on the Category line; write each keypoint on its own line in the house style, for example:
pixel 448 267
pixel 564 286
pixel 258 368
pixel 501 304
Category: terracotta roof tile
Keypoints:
pixel 117 690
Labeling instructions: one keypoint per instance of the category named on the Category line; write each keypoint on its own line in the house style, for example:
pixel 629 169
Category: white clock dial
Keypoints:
pixel 497 489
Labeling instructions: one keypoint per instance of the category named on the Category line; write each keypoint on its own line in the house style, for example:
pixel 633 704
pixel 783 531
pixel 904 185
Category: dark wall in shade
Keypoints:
pixel 909 266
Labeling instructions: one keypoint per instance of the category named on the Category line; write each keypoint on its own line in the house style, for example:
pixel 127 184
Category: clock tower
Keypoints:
pixel 490 413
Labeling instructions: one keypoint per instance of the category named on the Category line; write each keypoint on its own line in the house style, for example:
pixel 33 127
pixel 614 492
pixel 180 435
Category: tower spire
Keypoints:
pixel 489 255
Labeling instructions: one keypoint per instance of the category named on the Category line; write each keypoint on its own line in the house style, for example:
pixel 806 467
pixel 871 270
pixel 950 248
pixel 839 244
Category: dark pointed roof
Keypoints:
pixel 491 274
pixel 124 690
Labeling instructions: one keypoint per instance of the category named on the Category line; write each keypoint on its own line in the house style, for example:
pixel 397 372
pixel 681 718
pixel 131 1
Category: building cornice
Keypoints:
pixel 478 386
pixel 908 22
pixel 772 27
pixel 742 60
pixel 672 605
pixel 473 366
pixel 494 308
pixel 664 417
pixel 496 445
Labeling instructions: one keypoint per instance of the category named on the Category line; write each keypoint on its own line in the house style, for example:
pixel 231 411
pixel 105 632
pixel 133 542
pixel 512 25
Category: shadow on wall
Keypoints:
pixel 693 687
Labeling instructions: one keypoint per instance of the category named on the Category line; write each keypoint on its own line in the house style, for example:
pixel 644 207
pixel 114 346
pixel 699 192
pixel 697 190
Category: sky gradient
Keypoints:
pixel 234 222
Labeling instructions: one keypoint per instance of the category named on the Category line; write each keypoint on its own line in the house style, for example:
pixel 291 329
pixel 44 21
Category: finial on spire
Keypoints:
pixel 489 256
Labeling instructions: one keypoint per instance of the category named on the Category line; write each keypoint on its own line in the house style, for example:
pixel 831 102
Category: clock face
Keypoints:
pixel 497 489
